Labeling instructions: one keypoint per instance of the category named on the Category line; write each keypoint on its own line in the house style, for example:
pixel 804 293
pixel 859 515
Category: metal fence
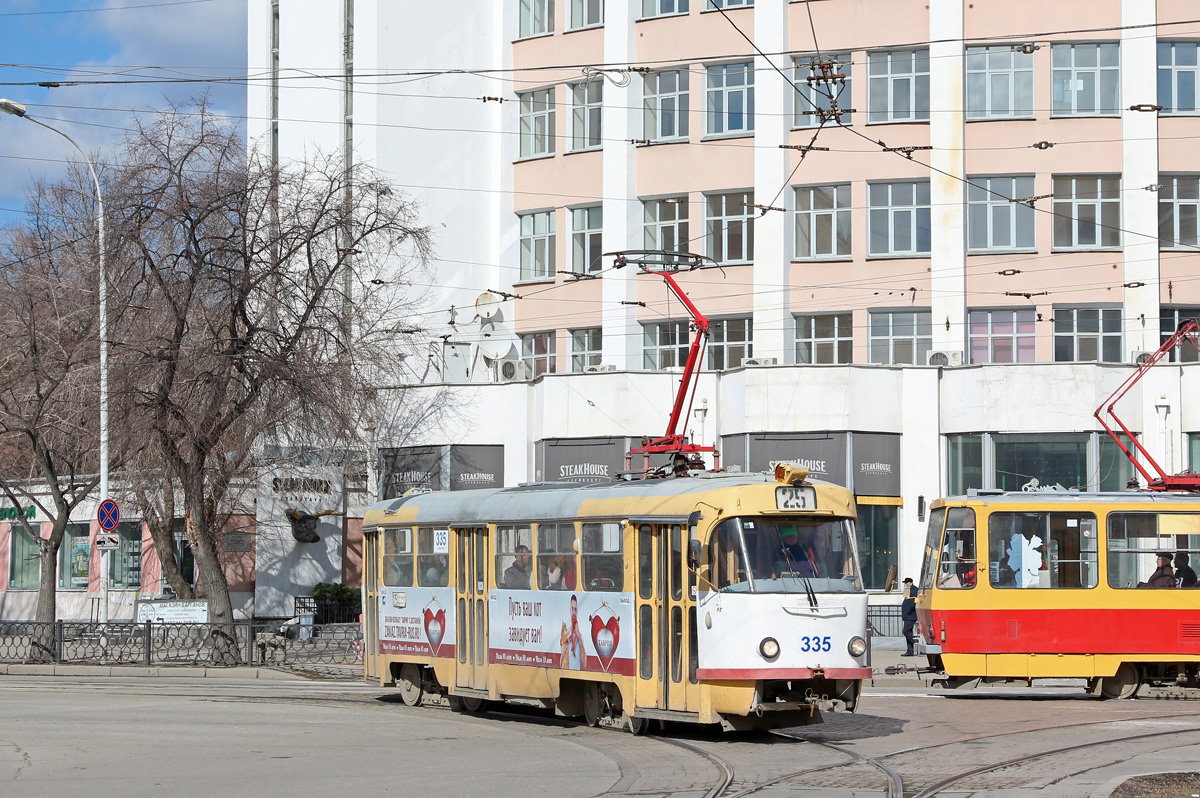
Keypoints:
pixel 885 620
pixel 208 644
pixel 325 611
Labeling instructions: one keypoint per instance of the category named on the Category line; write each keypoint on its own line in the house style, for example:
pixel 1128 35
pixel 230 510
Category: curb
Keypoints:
pixel 169 671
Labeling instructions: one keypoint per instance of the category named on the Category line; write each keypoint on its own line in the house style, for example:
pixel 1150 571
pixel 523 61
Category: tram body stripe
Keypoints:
pixel 1069 631
pixel 747 674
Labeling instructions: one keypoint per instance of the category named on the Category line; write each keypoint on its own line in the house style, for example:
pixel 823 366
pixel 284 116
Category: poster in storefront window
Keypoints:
pixel 79 562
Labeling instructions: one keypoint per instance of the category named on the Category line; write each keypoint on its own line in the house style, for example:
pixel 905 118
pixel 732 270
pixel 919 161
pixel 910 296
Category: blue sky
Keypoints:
pixel 105 40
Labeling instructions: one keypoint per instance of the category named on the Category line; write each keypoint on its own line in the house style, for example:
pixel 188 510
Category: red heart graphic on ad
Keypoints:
pixel 605 636
pixel 435 628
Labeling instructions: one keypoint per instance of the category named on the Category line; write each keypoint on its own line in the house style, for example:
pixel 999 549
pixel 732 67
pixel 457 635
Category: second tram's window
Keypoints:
pixel 603 562
pixel 1042 550
pixel 957 565
pixel 1136 539
pixel 433 557
pixel 937 519
pixel 397 557
pixel 556 556
pixel 514 556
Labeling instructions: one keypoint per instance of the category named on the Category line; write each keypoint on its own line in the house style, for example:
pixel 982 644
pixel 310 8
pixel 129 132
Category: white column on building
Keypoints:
pixel 947 190
pixel 773 326
pixel 622 342
pixel 1139 157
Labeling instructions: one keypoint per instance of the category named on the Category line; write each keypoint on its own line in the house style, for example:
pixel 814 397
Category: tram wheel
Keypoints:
pixel 473 705
pixel 409 681
pixel 1123 684
pixel 591 703
pixel 637 726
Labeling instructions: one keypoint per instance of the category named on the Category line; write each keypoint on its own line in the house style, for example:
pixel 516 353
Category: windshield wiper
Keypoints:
pixel 812 594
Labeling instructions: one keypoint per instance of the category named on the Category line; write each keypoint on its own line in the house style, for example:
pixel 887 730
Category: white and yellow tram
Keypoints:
pixel 730 599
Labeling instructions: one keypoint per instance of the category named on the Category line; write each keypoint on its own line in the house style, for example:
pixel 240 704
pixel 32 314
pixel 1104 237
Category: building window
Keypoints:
pixel 663 8
pixel 125 567
pixel 586 14
pixel 1002 336
pixel 23 568
pixel 665 105
pixel 826 338
pixel 999 83
pixel 667 224
pixel 586 346
pixel 1087 211
pixel 730 341
pixel 1041 459
pixel 1178 203
pixel 74 557
pixel 899 219
pixel 1087 334
pixel 536 18
pixel 899 86
pixel 900 337
pixel 665 344
pixel 729 227
pixel 1086 79
pixel 586 99
pixel 586 248
pixel 822 222
pixel 537 123
pixel 994 221
pixel 813 91
pixel 730 99
pixel 537 245
pixel 537 349
pixel 728 4
pixel 1177 72
pixel 1169 319
pixel 878 533
pixel 964 463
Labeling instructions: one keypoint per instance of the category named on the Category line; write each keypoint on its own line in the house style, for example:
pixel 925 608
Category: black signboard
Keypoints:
pixel 408 467
pixel 475 466
pixel 579 459
pixel 876 464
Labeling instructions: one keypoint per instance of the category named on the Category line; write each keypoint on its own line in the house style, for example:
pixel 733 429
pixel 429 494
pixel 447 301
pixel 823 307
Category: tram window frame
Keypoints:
pixel 1144 554
pixel 676 565
pixel 959 570
pixel 933 540
pixel 645 561
pixel 1059 533
pixel 608 556
pixel 551 546
pixel 394 573
pixel 429 559
pixel 510 537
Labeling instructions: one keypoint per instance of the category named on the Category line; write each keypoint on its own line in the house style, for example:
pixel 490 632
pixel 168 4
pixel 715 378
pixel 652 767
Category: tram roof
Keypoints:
pixel 557 500
pixel 1072 497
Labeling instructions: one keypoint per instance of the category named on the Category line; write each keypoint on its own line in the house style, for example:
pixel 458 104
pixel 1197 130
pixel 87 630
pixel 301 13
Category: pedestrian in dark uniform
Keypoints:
pixel 908 613
pixel 1184 575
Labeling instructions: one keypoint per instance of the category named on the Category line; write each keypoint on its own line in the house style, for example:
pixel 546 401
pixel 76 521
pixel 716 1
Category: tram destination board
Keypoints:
pixel 795 498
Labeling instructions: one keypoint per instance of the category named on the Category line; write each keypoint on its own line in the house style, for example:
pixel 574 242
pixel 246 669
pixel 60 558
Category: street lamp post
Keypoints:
pixel 17 109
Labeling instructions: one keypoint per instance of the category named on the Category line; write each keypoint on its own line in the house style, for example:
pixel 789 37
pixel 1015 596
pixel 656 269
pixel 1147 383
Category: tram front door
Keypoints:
pixel 470 618
pixel 666 616
pixel 370 628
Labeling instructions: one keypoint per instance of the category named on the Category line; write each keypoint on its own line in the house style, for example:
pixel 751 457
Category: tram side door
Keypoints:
pixel 370 624
pixel 663 610
pixel 471 643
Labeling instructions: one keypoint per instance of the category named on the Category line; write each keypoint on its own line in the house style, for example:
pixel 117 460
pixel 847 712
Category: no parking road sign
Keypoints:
pixel 109 516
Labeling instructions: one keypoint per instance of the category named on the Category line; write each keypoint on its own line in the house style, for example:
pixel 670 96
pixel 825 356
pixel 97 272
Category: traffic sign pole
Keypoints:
pixel 109 515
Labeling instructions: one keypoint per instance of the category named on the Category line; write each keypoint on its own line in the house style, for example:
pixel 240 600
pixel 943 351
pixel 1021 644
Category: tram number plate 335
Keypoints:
pixel 792 498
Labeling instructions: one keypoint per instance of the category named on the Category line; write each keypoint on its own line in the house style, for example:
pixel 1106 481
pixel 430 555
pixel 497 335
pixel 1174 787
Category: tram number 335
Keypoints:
pixel 815 643
pixel 791 498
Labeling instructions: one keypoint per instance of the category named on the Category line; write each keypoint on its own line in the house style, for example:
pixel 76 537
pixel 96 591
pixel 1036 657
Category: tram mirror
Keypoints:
pixel 694 518
pixel 693 554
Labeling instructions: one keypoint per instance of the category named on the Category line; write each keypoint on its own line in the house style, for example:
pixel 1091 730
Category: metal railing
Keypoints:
pixel 326 611
pixel 885 620
pixel 250 643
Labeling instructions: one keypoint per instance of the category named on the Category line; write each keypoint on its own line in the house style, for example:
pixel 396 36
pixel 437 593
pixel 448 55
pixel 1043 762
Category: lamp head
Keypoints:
pixel 10 107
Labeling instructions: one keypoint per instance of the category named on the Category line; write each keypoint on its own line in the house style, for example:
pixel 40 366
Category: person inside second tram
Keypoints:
pixel 1184 575
pixel 516 576
pixel 1163 576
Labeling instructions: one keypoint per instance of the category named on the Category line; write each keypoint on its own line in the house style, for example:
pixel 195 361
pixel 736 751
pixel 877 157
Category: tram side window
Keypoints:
pixel 556 556
pixel 1042 550
pixel 397 557
pixel 514 556
pixel 725 566
pixel 957 564
pixel 1136 539
pixel 603 560
pixel 433 557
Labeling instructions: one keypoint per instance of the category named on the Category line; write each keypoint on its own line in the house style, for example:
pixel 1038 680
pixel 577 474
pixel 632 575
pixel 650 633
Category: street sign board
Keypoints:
pixel 106 541
pixel 109 515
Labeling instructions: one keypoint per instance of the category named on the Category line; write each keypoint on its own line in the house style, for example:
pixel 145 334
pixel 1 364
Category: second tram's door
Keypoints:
pixel 471 649
pixel 370 620
pixel 665 643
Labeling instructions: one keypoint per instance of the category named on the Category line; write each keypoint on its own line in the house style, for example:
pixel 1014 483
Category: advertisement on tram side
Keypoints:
pixel 417 620
pixel 562 629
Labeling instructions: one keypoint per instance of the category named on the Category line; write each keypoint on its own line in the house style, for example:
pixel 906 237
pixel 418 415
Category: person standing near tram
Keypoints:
pixel 908 614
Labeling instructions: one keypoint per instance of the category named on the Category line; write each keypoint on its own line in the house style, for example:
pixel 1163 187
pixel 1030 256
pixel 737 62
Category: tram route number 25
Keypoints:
pixel 815 643
pixel 795 498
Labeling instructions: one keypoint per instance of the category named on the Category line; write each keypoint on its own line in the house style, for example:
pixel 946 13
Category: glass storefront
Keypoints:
pixel 878 542
pixel 965 469
pixel 74 556
pixel 1032 461
pixel 23 564
pixel 1080 461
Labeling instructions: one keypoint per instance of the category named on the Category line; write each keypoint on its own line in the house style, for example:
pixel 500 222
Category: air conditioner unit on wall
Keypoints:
pixel 1139 356
pixel 602 367
pixel 759 361
pixel 944 358
pixel 511 370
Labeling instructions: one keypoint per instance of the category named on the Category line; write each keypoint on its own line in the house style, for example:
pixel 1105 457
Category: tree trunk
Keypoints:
pixel 210 574
pixel 42 645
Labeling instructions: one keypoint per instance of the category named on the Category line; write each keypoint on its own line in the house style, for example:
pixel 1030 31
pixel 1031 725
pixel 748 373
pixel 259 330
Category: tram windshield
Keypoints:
pixel 778 554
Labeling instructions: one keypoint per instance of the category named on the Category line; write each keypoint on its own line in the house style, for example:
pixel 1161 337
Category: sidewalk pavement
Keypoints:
pixel 886 655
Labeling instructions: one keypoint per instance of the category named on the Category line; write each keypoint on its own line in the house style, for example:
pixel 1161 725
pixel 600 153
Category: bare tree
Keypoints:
pixel 271 293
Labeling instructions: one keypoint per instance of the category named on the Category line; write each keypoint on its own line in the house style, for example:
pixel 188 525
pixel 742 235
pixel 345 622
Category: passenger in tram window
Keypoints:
pixel 1184 575
pixel 560 573
pixel 516 576
pixel 1163 576
pixel 437 570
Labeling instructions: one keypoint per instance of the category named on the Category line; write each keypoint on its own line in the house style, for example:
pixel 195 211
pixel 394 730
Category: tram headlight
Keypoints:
pixel 769 648
pixel 857 647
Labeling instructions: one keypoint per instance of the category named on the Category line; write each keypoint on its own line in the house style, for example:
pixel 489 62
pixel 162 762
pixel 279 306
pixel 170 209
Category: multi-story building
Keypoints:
pixel 1008 190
